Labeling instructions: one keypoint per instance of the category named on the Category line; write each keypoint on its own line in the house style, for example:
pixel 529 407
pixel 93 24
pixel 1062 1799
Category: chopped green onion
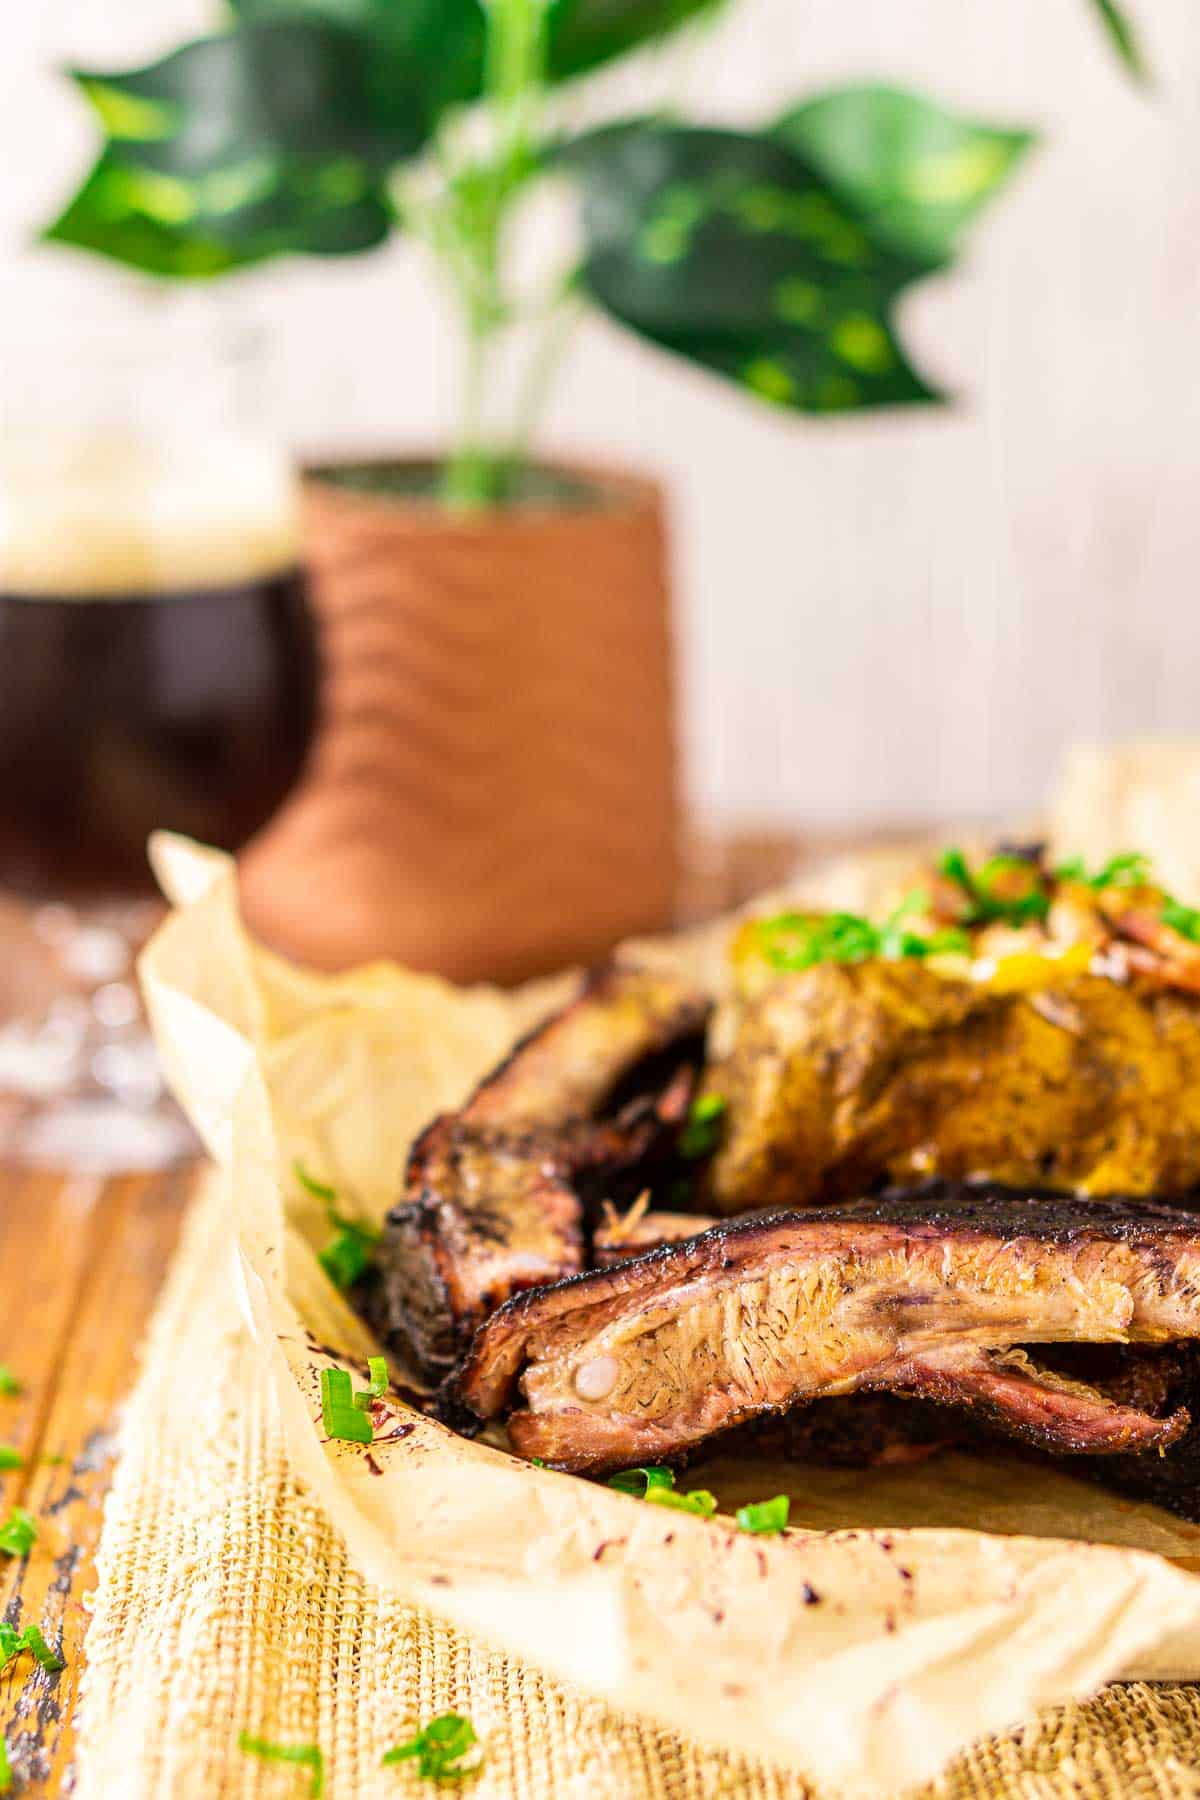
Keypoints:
pixel 639 1482
pixel 538 1462
pixel 697 1500
pixel 447 1749
pixel 764 1517
pixel 377 1371
pixel 985 905
pixel 341 1417
pixel 306 1755
pixel 1130 869
pixel 12 1642
pixel 10 1458
pixel 702 1133
pixel 6 1774
pixel 18 1534
pixel 347 1256
pixel 1183 919
pixel 8 1381
pixel 318 1189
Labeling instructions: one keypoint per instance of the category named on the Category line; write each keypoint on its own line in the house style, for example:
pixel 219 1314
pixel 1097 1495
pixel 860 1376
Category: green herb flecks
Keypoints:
pixel 657 1485
pixel 1130 869
pixel 341 1417
pixel 1183 919
pixel 765 1518
pixel 347 1256
pixel 10 1458
pixel 18 1534
pixel 702 1133
pixel 447 1749
pixel 794 941
pixel 377 1384
pixel 306 1756
pixel 639 1482
pixel 13 1642
pixel 6 1774
pixel 8 1381
pixel 987 903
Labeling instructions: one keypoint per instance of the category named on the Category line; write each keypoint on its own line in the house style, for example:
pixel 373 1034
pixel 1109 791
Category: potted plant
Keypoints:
pixel 494 788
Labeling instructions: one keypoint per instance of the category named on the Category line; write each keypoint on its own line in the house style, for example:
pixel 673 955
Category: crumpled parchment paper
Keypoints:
pixel 908 1612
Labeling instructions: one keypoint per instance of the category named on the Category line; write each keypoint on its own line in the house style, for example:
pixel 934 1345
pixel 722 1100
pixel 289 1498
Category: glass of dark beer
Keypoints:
pixel 158 661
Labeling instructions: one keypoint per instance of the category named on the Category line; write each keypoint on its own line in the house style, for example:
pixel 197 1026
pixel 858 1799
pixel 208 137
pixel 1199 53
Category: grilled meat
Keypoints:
pixel 842 1075
pixel 616 1238
pixel 496 1193
pixel 932 1294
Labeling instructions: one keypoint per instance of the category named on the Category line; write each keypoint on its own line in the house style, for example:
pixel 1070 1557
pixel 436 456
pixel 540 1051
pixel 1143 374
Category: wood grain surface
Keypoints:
pixel 81 1262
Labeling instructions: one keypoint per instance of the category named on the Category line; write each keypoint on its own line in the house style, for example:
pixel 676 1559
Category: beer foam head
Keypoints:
pixel 108 515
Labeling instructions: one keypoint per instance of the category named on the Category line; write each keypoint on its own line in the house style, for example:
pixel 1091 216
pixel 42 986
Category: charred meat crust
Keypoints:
pixel 907 1292
pixel 497 1193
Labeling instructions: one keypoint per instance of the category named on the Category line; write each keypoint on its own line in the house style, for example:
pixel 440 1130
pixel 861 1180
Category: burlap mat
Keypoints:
pixel 225 1603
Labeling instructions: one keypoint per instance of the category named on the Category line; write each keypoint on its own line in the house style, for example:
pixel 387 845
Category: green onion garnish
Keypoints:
pixel 6 1774
pixel 696 1500
pixel 639 1482
pixel 377 1372
pixel 12 1642
pixel 702 1133
pixel 447 1749
pixel 341 1417
pixel 347 1256
pixel 764 1517
pixel 794 941
pixel 1129 869
pixel 657 1485
pixel 18 1534
pixel 318 1189
pixel 986 906
pixel 1183 919
pixel 10 1458
pixel 306 1755
pixel 8 1381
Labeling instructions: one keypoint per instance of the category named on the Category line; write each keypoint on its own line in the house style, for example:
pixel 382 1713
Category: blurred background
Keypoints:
pixel 886 616
pixel 480 673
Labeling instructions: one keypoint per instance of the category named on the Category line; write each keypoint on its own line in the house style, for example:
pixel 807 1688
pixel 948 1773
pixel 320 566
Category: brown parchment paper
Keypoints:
pixel 863 1648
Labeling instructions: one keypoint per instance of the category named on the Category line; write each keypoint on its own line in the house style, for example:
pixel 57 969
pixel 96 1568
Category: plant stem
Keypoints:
pixel 478 201
pixel 540 371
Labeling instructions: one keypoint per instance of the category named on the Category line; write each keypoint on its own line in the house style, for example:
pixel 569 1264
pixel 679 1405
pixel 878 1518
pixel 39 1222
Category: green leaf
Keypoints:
pixel 6 1774
pixel 444 39
pixel 734 251
pixel 918 173
pixel 8 1382
pixel 432 50
pixel 10 1458
pixel 583 34
pixel 1123 37
pixel 273 138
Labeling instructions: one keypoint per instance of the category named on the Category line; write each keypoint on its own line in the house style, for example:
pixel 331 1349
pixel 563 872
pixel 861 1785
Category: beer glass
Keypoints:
pixel 158 668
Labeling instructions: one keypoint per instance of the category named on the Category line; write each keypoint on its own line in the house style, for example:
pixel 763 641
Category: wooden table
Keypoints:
pixel 81 1261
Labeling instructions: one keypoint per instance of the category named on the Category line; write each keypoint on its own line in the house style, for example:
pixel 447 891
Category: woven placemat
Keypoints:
pixel 225 1603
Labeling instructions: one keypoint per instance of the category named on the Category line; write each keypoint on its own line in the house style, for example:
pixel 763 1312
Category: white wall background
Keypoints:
pixel 891 617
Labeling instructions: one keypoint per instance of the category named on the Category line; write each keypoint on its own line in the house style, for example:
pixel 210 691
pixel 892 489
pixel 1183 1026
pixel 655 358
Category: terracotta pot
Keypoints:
pixel 493 788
